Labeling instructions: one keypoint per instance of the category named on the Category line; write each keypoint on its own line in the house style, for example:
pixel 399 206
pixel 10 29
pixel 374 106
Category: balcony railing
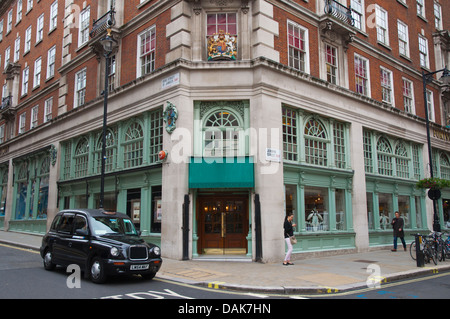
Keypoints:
pixel 339 11
pixel 104 22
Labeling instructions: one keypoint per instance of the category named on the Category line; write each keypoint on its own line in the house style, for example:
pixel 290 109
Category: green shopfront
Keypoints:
pixel 133 171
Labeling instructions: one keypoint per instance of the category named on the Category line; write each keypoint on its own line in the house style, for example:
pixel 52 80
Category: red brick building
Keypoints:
pixel 323 96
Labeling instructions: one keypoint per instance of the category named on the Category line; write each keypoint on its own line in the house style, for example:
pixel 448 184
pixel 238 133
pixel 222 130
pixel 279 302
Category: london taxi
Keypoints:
pixel 102 243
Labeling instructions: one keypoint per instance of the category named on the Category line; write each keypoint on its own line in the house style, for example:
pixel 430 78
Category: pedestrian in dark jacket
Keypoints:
pixel 397 225
pixel 288 232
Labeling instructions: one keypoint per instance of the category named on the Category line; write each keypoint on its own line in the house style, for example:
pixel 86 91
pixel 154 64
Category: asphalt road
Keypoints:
pixel 22 276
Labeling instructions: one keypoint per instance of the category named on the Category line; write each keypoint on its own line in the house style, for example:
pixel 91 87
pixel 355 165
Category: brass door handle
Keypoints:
pixel 223 230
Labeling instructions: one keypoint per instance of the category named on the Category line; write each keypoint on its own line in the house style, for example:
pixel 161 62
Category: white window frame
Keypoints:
pixel 9 21
pixel 382 24
pixel 19 11
pixel 1 29
pixel 403 37
pixel 53 16
pixel 140 56
pixel 17 49
pixel 51 54
pixel 330 66
pixel 387 88
pixel 40 28
pixel 7 56
pixel 37 72
pixel 367 71
pixel 423 52
pixel 80 88
pixel 420 4
pixel 410 97
pixel 306 42
pixel 83 30
pixel 34 116
pixel 438 16
pixel 27 40
pixel 2 133
pixel 430 105
pixel 29 5
pixel 358 6
pixel 25 80
pixel 48 106
pixel 22 122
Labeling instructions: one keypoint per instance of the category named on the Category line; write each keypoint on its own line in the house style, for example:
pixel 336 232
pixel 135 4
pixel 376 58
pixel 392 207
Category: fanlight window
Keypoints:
pixel 384 157
pixel 134 145
pixel 82 158
pixel 221 134
pixel 316 142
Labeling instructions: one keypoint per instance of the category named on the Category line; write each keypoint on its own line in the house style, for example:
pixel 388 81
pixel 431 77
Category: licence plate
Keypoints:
pixel 139 267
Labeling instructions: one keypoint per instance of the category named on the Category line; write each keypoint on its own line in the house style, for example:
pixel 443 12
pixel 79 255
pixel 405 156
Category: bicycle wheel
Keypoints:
pixel 433 253
pixel 412 250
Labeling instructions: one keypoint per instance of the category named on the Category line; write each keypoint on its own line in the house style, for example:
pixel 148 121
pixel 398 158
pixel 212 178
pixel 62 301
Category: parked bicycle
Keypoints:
pixel 431 246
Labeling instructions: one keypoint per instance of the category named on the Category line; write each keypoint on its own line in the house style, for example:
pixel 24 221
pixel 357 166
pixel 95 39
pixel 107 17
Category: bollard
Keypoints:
pixel 419 252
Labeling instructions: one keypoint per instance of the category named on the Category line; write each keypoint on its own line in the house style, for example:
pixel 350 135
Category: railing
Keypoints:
pixel 6 102
pixel 339 11
pixel 104 22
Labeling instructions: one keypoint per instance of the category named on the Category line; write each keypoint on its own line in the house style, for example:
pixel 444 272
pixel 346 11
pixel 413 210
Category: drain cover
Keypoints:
pixel 365 261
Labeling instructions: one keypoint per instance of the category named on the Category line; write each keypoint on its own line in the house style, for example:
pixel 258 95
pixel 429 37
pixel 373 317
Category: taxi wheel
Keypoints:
pixel 97 271
pixel 48 260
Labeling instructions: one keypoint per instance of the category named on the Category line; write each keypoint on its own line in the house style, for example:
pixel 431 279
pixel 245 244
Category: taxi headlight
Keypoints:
pixel 156 250
pixel 114 251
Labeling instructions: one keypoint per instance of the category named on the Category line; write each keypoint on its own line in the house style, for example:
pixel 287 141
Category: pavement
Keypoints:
pixel 315 275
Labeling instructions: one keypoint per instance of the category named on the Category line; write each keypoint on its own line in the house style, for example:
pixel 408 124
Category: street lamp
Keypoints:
pixel 108 43
pixel 428 78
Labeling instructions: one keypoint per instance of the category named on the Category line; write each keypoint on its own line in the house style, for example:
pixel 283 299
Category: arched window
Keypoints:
pixel 81 157
pixel 316 141
pixel 111 150
pixel 444 166
pixel 384 157
pixel 133 145
pixel 44 176
pixel 402 160
pixel 221 134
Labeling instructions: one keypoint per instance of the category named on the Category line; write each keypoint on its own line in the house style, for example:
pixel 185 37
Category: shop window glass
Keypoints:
pixel 316 143
pixel 291 199
pixel 340 210
pixel 316 209
pixel 446 211
pixel 369 201
pixel 419 223
pixel 404 210
pixel 386 210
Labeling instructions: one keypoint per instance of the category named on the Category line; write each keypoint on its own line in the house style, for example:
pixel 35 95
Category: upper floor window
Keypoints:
pixel 358 13
pixel 9 21
pixel 438 16
pixel 423 52
pixel 81 157
pixel 146 51
pixel 403 38
pixel 331 63
pixel 83 34
pixel 80 88
pixel 40 28
pixel 387 86
pixel 133 145
pixel 54 15
pixel 19 11
pixel 382 25
pixel 51 62
pixel 421 8
pixel 408 96
pixel 362 75
pixel 298 47
pixel 22 120
pixel 221 29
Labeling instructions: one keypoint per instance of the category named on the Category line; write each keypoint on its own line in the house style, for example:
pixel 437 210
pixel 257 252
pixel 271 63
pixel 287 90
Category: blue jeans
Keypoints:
pixel 395 242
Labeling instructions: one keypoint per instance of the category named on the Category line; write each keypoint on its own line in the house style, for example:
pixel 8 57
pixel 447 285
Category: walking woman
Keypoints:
pixel 288 232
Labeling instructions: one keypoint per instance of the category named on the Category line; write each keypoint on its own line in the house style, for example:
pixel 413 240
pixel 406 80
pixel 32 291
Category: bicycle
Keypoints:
pixel 429 249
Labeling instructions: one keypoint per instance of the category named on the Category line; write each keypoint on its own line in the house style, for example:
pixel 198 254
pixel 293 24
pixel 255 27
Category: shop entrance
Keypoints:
pixel 223 224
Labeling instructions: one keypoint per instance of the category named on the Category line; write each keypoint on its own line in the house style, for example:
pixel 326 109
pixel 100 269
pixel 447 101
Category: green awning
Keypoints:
pixel 218 172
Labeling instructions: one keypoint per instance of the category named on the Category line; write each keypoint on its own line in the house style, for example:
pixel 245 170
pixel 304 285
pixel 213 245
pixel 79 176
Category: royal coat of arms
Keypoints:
pixel 222 46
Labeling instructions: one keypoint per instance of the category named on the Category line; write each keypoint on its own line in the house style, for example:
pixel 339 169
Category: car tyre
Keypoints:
pixel 97 271
pixel 48 260
pixel 149 276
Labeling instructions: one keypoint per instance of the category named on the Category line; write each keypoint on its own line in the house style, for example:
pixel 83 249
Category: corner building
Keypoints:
pixel 262 107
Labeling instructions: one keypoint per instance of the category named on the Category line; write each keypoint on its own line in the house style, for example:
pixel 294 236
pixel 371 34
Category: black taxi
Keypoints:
pixel 102 243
